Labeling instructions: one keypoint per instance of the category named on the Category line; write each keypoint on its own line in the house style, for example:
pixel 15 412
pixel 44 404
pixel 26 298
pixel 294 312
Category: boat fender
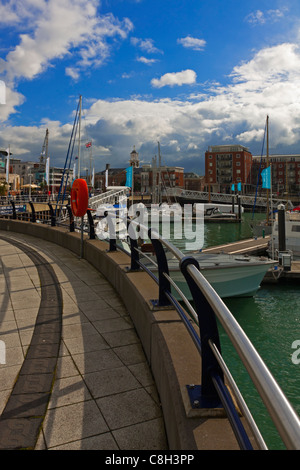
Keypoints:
pixel 79 197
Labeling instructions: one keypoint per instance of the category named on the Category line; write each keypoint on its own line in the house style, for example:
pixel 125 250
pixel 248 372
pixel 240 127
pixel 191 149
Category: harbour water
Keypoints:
pixel 271 320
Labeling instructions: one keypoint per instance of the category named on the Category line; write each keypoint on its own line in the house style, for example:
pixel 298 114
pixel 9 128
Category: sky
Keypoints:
pixel 187 74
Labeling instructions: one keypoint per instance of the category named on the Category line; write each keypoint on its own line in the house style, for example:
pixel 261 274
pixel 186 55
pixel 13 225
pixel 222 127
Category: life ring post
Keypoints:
pixel 80 203
pixel 79 197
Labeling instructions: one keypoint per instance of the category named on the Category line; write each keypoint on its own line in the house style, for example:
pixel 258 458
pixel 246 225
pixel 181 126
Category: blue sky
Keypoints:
pixel 188 74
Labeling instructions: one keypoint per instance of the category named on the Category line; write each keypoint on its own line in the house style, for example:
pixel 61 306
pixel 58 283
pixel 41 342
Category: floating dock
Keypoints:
pixel 258 247
pixel 251 246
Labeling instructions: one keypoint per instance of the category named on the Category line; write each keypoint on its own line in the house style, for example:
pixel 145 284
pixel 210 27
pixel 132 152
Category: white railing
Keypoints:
pixel 224 198
pixel 109 197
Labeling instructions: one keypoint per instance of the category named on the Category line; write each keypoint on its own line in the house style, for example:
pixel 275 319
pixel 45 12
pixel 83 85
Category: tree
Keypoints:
pixel 3 189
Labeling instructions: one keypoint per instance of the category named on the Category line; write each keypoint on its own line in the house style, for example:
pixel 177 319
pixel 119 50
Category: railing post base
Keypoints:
pixel 198 401
pixel 157 306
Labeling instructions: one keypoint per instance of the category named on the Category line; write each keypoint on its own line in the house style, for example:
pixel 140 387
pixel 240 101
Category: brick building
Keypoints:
pixel 227 164
pixel 285 171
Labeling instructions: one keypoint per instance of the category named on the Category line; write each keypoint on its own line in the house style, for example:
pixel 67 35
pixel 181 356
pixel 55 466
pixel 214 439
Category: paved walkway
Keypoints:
pixel 73 374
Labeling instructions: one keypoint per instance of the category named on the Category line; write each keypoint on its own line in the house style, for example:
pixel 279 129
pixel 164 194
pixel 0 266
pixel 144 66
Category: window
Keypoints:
pixel 295 228
pixel 237 155
pixel 238 163
pixel 238 172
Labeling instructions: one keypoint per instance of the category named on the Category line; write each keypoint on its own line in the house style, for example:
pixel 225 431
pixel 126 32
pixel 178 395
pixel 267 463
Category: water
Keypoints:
pixel 271 320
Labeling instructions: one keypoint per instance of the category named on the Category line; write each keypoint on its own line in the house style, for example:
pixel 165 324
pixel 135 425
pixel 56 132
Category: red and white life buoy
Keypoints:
pixel 79 197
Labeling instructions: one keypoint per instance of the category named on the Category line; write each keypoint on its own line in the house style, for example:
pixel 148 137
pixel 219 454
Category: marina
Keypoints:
pixel 256 315
pixel 149 228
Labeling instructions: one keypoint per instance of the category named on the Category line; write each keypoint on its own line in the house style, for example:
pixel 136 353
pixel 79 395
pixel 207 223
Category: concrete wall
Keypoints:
pixel 169 349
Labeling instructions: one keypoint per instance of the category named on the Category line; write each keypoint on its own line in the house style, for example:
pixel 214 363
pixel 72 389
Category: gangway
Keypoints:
pixel 111 196
pixel 204 196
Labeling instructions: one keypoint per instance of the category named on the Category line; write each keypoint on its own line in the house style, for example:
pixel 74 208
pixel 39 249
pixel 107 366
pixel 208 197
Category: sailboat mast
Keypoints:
pixel 79 136
pixel 159 175
pixel 267 167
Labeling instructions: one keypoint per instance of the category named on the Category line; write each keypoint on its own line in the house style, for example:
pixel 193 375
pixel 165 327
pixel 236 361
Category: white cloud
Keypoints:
pixel 14 12
pixel 260 17
pixel 12 101
pixel 185 77
pixel 271 64
pixel 146 61
pixel 266 84
pixel 63 28
pixel 146 45
pixel 192 43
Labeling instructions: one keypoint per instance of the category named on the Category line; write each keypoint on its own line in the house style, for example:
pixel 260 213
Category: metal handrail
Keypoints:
pixel 281 412
pixel 283 415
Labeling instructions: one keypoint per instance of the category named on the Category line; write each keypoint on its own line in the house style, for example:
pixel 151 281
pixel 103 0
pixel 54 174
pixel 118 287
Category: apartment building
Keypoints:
pixel 285 170
pixel 226 165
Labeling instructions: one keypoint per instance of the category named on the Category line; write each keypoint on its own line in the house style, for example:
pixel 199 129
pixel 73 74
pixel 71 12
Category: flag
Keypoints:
pixel 239 186
pixel 47 170
pixel 129 177
pixel 266 178
pixel 232 187
pixel 88 144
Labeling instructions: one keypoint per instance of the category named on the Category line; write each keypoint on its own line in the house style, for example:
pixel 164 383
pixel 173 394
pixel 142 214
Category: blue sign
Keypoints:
pixel 266 178
pixel 129 177
pixel 9 210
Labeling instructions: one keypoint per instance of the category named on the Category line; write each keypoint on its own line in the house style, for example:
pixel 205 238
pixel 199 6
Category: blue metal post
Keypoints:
pixel 91 225
pixel 33 218
pixel 135 257
pixel 52 215
pixel 14 209
pixel 71 217
pixel 164 283
pixel 208 331
pixel 111 231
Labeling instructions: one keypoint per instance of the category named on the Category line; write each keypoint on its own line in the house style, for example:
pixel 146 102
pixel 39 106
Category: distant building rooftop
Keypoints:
pixel 227 148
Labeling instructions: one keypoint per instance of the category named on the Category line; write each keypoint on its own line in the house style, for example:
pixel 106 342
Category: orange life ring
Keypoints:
pixel 79 197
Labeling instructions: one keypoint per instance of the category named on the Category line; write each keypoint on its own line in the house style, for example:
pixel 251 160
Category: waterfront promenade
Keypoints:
pixel 74 374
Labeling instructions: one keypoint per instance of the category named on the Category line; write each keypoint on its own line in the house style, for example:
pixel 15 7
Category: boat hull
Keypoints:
pixel 229 277
pixel 241 281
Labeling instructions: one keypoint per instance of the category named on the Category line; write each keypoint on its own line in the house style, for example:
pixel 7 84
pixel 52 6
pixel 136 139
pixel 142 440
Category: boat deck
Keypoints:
pixel 257 246
pixel 251 246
